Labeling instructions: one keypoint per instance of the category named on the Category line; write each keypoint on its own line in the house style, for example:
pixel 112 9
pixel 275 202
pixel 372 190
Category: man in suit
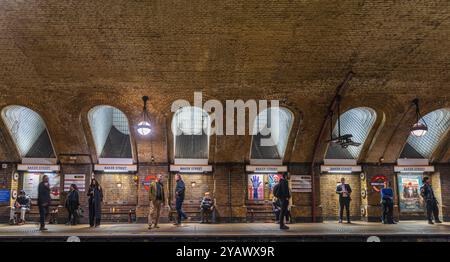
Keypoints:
pixel 43 201
pixel 344 190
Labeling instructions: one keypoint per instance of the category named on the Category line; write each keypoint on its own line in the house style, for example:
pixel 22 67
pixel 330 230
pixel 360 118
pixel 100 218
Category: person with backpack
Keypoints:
pixel 282 192
pixel 426 191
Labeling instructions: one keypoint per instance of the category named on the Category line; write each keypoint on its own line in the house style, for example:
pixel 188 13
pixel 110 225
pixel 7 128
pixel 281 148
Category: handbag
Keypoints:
pixel 80 212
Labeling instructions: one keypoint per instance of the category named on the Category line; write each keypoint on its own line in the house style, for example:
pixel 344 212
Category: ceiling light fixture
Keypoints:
pixel 420 128
pixel 144 127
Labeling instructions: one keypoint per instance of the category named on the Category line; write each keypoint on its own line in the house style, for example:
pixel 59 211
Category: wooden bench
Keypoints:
pixel 260 212
pixel 191 209
pixel 119 213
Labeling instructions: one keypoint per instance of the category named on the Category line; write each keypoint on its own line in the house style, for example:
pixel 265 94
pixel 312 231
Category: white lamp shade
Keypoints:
pixel 144 128
pixel 419 129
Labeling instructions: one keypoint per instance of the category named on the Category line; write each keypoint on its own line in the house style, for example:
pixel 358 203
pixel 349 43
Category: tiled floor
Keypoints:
pixel 242 229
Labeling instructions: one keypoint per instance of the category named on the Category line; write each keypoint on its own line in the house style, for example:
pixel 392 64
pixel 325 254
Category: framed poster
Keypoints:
pixel 273 180
pixel 409 192
pixel 256 187
pixel 31 183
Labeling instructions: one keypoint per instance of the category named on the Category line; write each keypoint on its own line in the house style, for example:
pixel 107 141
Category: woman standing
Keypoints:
pixel 95 195
pixel 72 204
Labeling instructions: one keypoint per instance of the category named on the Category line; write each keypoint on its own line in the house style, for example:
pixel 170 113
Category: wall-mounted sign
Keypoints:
pixel 190 169
pixel 5 195
pixel 413 169
pixel 148 180
pixel 339 169
pixel 116 168
pixel 377 182
pixel 301 183
pixel 38 168
pixel 77 179
pixel 266 169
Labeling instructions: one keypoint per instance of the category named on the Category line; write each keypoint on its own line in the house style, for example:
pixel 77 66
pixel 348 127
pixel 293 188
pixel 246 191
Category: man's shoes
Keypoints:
pixel 340 221
pixel 149 227
pixel 43 229
pixel 284 227
pixel 202 222
pixel 176 224
pixel 156 226
pixel 438 221
pixel 348 222
pixel 430 222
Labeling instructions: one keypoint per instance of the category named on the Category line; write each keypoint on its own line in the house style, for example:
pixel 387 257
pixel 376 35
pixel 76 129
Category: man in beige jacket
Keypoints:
pixel 157 199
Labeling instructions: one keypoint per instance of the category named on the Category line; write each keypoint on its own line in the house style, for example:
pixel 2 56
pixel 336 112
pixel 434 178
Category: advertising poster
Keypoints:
pixel 273 180
pixel 256 187
pixel 31 183
pixel 77 179
pixel 409 192
pixel 5 194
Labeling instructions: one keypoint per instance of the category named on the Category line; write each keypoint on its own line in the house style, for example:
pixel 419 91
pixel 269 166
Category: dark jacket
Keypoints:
pixel 44 194
pixel 339 189
pixel 153 191
pixel 180 189
pixel 95 199
pixel 23 201
pixel 426 191
pixel 207 203
pixel 283 189
pixel 73 200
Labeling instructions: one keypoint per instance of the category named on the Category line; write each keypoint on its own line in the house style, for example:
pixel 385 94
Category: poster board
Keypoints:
pixel 255 187
pixel 409 192
pixel 301 183
pixel 31 183
pixel 77 179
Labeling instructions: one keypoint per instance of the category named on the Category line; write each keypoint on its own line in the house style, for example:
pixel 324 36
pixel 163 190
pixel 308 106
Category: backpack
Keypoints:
pixel 276 190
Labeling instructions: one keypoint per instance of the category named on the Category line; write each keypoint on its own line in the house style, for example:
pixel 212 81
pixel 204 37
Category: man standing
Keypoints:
pixel 157 198
pixel 426 191
pixel 43 201
pixel 282 192
pixel 344 190
pixel 387 203
pixel 179 198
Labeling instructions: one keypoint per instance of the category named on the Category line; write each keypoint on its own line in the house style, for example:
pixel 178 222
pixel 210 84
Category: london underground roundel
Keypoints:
pixel 377 182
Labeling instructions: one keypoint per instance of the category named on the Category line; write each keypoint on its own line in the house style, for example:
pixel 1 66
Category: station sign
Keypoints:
pixel 191 169
pixel 377 182
pixel 115 168
pixel 413 169
pixel 38 168
pixel 266 169
pixel 339 169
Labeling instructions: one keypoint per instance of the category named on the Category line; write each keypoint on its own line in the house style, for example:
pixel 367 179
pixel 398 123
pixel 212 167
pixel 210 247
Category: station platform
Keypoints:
pixel 299 232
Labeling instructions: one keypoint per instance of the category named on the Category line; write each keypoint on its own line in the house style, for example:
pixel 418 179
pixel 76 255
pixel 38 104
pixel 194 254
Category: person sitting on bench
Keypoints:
pixel 206 207
pixel 23 204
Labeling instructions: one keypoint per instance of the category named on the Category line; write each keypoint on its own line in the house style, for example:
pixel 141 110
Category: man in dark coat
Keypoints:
pixel 179 198
pixel 95 194
pixel 282 192
pixel 426 191
pixel 43 201
pixel 344 190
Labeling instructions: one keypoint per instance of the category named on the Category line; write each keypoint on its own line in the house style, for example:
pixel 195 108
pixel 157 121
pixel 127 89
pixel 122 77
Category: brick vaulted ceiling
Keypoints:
pixel 61 58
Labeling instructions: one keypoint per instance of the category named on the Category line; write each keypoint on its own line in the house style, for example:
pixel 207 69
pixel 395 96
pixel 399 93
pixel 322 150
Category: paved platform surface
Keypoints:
pixel 326 230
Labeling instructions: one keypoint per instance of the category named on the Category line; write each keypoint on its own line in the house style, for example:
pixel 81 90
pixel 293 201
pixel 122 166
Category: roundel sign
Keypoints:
pixel 147 181
pixel 377 182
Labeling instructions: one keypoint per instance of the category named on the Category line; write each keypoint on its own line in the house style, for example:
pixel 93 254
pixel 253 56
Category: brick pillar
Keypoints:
pixel 7 183
pixel 443 188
